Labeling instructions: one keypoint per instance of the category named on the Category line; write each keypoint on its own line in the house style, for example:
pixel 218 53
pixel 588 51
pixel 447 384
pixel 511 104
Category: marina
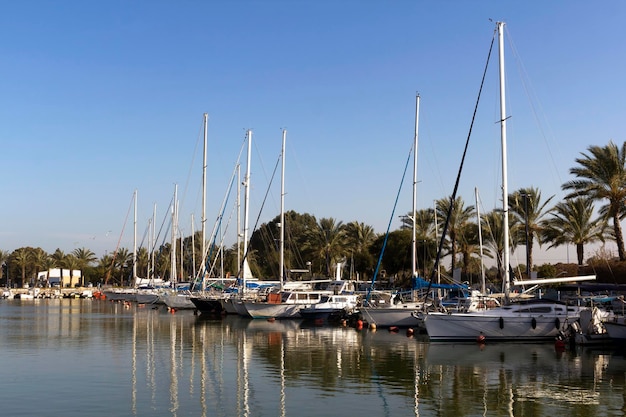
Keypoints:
pixel 102 357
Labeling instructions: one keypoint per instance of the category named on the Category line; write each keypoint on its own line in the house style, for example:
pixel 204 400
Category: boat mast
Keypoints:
pixel 173 238
pixel 238 214
pixel 414 211
pixel 246 267
pixel 483 287
pixel 282 215
pixel 135 241
pixel 203 220
pixel 505 192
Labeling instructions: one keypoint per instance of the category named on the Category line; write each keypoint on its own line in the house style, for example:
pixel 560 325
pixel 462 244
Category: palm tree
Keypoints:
pixel 58 256
pixel 459 217
pixel 326 240
pixel 527 210
pixel 359 238
pixel 601 175
pixel 493 237
pixel 41 259
pixel 72 263
pixel 22 259
pixel 468 245
pixel 84 256
pixel 4 257
pixel 571 222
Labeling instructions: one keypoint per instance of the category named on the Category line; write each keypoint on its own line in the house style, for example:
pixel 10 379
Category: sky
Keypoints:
pixel 102 98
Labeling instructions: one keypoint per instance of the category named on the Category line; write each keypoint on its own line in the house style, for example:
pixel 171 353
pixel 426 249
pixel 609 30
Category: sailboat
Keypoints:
pixel 178 298
pixel 534 319
pixel 287 303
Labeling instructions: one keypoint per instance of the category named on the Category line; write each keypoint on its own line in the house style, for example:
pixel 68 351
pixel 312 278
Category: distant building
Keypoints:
pixel 60 277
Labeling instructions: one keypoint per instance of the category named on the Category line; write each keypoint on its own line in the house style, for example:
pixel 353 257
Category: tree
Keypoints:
pixel 571 222
pixel 527 211
pixel 22 259
pixel 601 175
pixel 4 257
pixel 459 216
pixel 493 237
pixel 359 238
pixel 84 256
pixel 326 241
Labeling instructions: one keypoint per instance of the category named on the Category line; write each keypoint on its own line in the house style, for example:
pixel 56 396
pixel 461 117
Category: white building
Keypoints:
pixel 60 277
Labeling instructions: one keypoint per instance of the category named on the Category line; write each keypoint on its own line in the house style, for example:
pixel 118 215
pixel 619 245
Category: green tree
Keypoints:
pixel 4 258
pixel 359 238
pixel 572 222
pixel 527 211
pixel 460 216
pixel 22 258
pixel 326 241
pixel 601 175
pixel 72 264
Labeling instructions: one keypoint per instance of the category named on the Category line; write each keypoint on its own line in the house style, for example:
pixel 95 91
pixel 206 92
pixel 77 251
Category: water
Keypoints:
pixel 75 357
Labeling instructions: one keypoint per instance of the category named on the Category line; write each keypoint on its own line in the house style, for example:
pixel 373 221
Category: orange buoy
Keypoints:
pixel 359 324
pixel 559 345
pixel 409 332
pixel 481 338
pixel 393 329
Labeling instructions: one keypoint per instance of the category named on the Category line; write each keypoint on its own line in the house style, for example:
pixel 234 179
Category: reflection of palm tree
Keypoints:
pixel 571 223
pixel 601 175
pixel 527 209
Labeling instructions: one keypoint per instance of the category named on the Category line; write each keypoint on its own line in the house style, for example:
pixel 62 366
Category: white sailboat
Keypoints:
pixel 390 310
pixel 528 320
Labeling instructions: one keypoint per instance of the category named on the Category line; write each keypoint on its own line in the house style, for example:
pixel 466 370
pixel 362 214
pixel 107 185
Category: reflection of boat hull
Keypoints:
pixel 320 313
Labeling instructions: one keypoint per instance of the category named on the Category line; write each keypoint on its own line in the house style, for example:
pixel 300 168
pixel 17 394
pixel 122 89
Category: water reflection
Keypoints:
pixel 152 362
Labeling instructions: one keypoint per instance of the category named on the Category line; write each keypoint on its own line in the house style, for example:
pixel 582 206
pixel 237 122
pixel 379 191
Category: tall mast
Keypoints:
pixel 246 267
pixel 173 238
pixel 483 287
pixel 282 214
pixel 153 243
pixel 414 211
pixel 505 191
pixel 238 214
pixel 203 220
pixel 135 241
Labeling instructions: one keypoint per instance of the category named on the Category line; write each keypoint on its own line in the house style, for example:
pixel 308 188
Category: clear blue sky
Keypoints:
pixel 99 98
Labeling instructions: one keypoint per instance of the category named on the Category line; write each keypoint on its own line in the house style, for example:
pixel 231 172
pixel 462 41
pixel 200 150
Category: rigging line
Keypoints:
pixel 382 251
pixel 245 255
pixel 191 165
pixel 532 98
pixel 458 177
pixel 119 240
pixel 218 220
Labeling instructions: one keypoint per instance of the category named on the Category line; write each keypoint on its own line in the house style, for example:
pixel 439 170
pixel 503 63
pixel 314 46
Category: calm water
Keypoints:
pixel 97 358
